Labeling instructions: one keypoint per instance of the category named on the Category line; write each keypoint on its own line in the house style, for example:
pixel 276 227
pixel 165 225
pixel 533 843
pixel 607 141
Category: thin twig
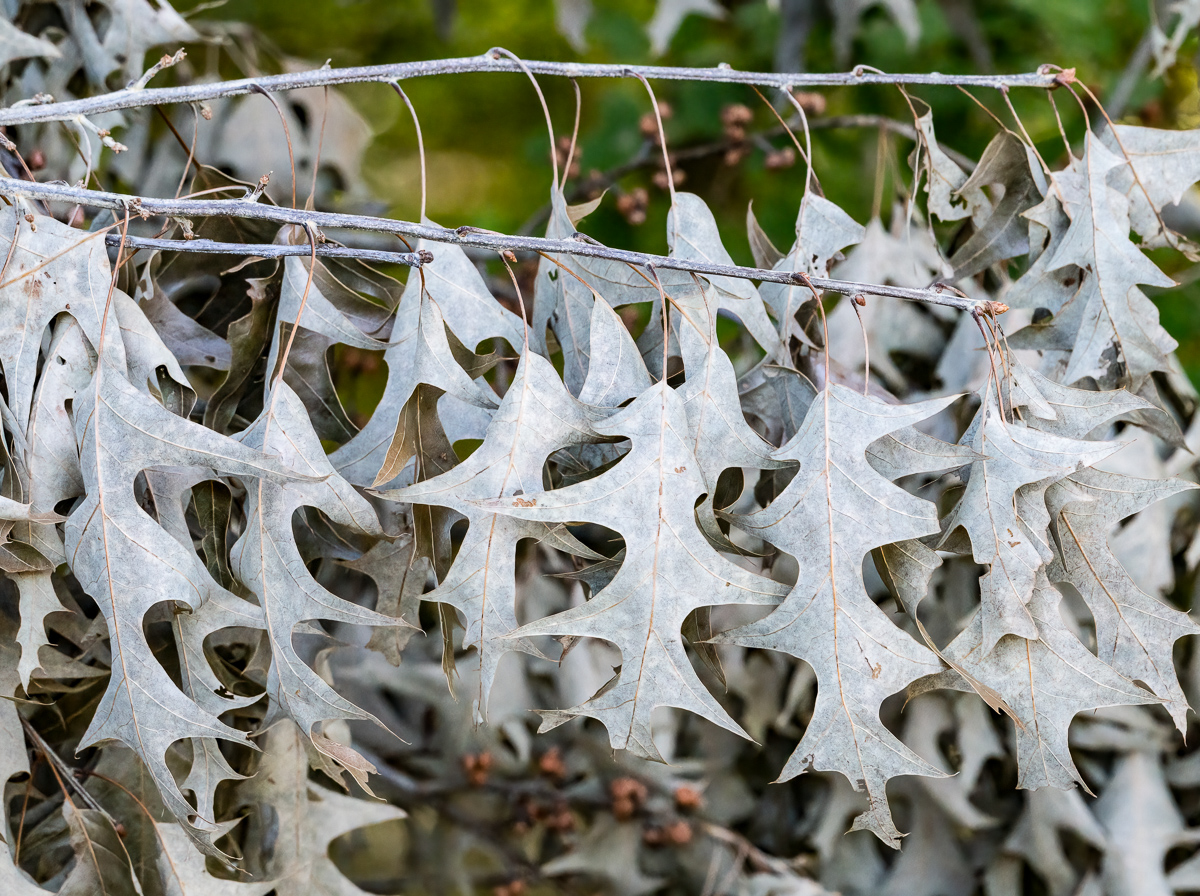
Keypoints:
pixel 463 236
pixel 65 771
pixel 412 111
pixel 644 158
pixel 489 62
pixel 270 250
pixel 287 135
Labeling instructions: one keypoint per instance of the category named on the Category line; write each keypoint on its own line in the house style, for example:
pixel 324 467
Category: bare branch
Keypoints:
pixel 129 98
pixel 462 236
pixel 270 250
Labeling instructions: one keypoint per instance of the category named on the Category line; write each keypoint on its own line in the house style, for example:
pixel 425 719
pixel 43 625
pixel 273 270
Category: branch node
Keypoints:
pixel 165 62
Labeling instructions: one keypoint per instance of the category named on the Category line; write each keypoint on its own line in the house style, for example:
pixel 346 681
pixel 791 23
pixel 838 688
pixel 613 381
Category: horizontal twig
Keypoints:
pixel 193 93
pixel 463 236
pixel 271 250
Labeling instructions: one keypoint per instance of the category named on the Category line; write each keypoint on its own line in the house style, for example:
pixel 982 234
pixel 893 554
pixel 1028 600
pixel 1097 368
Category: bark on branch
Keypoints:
pixel 145 207
pixel 488 62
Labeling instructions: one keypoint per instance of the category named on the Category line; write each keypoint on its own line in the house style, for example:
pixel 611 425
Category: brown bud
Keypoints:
pixel 632 205
pixel 628 794
pixel 736 154
pixel 648 125
pixel 736 115
pixel 551 764
pixel 861 301
pixel 477 767
pixel 781 158
pixel 678 832
pixel 561 820
pixel 812 103
pixel 120 829
pixel 510 256
pixel 678 175
pixel 688 799
pixel 653 836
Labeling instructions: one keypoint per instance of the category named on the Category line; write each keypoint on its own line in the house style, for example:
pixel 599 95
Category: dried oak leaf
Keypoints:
pixel 536 418
pixel 668 572
pixel 830 516
pixel 129 564
pixel 1046 681
pixel 267 561
pixel 1135 631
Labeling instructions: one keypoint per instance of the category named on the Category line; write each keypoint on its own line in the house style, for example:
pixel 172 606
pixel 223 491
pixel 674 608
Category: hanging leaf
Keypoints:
pixel 1046 680
pixel 421 352
pixel 267 560
pixel 128 563
pixel 829 517
pixel 306 819
pixel 1109 326
pixel 536 418
pixel 1135 632
pixel 668 572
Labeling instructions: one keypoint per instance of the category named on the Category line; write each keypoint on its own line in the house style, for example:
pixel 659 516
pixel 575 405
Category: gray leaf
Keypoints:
pixel 1142 824
pixel 1003 513
pixel 1108 317
pixel 1046 681
pixel 669 15
pixel 183 870
pixel 307 819
pixel 1037 837
pixel 1166 164
pixel 101 861
pixel 53 269
pixel 1135 632
pixel 823 230
pixel 419 352
pixel 129 564
pixel 668 572
pixel 1005 232
pixel 692 235
pixel 764 251
pixel 536 418
pixel 16 44
pixel 951 196
pixel 834 512
pixel 616 371
pixel 267 560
